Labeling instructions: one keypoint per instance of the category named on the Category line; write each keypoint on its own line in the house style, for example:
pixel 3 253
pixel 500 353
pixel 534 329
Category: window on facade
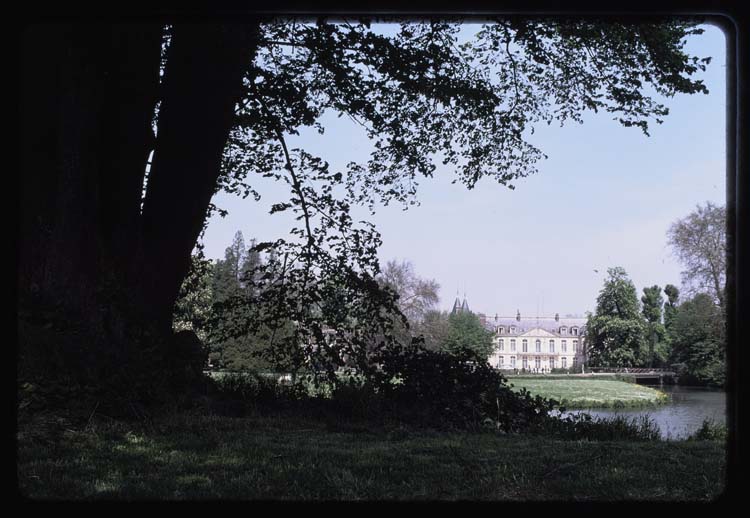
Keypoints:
pixel 574 330
pixel 513 345
pixel 525 362
pixel 537 362
pixel 563 330
pixel 512 329
pixel 525 345
pixel 513 362
pixel 575 346
pixel 551 346
pixel 551 363
pixel 500 363
pixel 500 330
pixel 538 346
pixel 564 346
pixel 564 362
pixel 501 345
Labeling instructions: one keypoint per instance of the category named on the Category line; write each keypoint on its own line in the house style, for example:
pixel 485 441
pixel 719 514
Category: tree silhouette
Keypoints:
pixel 111 209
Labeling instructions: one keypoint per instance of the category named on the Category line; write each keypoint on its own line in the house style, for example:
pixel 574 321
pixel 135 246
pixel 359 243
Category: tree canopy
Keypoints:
pixel 426 94
pixel 698 340
pixel 616 333
pixel 129 130
pixel 697 326
pixel 699 242
pixel 466 332
pixel 653 303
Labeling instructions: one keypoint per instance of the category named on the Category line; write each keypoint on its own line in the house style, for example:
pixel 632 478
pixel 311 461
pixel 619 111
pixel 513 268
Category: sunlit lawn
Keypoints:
pixel 585 393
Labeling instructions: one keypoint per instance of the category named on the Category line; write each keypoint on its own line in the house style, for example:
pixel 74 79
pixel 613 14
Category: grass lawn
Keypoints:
pixel 591 393
pixel 209 457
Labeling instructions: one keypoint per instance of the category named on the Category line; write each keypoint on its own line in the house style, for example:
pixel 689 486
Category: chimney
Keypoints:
pixel 518 315
pixel 557 317
pixel 495 317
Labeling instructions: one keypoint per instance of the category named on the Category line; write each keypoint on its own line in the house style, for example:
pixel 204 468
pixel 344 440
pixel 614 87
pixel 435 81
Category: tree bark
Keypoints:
pixel 98 277
pixel 87 92
pixel 202 84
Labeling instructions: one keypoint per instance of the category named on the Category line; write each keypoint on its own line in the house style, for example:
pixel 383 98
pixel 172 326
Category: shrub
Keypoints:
pixel 246 392
pixel 709 431
pixel 456 389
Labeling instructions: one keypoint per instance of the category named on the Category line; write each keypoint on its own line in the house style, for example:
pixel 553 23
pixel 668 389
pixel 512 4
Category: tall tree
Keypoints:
pixel 434 328
pixel 192 310
pixel 234 344
pixel 466 332
pixel 616 333
pixel 698 340
pixel 416 297
pixel 655 332
pixel 227 278
pixel 670 307
pixel 251 269
pixel 97 257
pixel 99 262
pixel 699 241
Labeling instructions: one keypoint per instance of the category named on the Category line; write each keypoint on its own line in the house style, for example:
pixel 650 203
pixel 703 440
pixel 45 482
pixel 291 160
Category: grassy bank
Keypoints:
pixel 591 392
pixel 210 457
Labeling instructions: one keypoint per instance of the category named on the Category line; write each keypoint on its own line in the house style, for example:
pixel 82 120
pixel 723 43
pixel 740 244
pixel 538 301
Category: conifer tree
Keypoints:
pixel 655 332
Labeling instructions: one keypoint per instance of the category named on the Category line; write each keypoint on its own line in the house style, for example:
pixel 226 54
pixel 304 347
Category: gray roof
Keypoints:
pixel 528 323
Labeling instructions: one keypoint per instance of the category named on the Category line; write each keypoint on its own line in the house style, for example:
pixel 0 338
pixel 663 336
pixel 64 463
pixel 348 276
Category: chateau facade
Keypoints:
pixel 537 344
pixel 534 344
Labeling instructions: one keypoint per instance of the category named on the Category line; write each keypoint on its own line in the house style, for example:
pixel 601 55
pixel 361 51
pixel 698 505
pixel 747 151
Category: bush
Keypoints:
pixel 242 393
pixel 457 389
pixel 709 431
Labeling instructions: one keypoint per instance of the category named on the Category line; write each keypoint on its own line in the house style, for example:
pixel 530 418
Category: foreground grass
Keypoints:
pixel 591 393
pixel 210 457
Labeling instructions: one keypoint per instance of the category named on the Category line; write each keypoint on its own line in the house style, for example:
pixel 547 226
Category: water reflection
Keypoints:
pixel 681 417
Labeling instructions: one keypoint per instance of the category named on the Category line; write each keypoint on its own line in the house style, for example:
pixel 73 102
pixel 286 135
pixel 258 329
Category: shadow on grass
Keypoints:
pixel 200 457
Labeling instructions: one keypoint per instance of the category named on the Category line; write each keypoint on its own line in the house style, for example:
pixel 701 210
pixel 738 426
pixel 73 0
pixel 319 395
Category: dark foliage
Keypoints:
pixel 456 389
pixel 130 129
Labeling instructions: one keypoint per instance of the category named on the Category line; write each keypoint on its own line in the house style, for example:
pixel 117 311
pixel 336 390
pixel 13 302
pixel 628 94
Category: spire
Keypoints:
pixel 456 305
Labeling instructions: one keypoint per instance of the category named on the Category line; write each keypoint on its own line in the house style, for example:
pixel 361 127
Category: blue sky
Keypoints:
pixel 605 197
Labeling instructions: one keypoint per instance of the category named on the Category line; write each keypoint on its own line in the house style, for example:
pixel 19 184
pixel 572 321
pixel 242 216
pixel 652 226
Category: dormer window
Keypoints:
pixel 500 330
pixel 512 329
pixel 563 330
pixel 574 331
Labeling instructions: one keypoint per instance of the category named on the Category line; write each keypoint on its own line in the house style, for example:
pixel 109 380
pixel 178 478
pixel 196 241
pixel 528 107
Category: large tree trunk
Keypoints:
pixel 88 96
pixel 195 117
pixel 97 277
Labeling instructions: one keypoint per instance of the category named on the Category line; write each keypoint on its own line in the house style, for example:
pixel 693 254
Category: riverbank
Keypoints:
pixel 209 457
pixel 590 392
pixel 687 411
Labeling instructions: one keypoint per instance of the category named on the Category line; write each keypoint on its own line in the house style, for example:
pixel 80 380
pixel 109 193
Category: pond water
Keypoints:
pixel 683 415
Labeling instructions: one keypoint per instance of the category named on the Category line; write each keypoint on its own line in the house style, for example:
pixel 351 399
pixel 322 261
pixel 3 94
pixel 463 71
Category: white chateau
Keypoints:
pixel 534 344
